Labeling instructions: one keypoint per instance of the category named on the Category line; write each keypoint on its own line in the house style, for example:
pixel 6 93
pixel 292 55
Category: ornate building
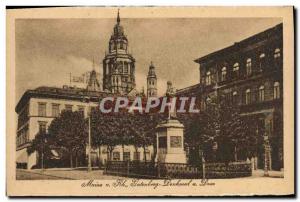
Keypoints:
pixel 93 83
pixel 118 64
pixel 249 75
pixel 151 82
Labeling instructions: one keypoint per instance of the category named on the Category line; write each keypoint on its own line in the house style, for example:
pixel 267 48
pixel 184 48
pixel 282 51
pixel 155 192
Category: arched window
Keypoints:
pixel 107 68
pixel 261 61
pixel 234 97
pixel 208 78
pixel 261 93
pixel 223 78
pixel 125 67
pixel 236 68
pixel 249 66
pixel 277 53
pixel 276 90
pixel 248 96
pixel 121 45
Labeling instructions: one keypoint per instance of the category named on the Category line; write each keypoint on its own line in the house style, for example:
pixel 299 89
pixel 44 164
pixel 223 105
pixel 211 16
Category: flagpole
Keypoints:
pixel 70 78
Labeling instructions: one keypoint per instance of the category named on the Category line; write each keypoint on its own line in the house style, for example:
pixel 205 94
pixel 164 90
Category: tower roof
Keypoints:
pixel 118 29
pixel 93 83
pixel 118 17
pixel 151 72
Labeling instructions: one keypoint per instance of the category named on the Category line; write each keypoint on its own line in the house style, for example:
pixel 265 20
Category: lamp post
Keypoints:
pixel 267 155
pixel 87 100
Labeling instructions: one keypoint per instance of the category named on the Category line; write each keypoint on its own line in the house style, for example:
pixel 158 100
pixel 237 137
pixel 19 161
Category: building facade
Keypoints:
pixel 249 74
pixel 118 64
pixel 36 110
pixel 38 107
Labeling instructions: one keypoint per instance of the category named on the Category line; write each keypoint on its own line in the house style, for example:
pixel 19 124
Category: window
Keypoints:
pixel 121 45
pixel 208 78
pixel 223 78
pixel 277 53
pixel 261 61
pixel 249 66
pixel 126 156
pixel 147 154
pixel 227 98
pixel 42 126
pixel 55 110
pixel 136 156
pixel 236 68
pixel 125 67
pixel 92 109
pixel 41 109
pixel 234 97
pixel 81 109
pixel 261 93
pixel 69 107
pixel 248 96
pixel 116 156
pixel 276 90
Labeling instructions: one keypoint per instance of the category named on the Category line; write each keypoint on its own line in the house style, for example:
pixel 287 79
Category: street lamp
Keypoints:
pixel 87 100
pixel 267 154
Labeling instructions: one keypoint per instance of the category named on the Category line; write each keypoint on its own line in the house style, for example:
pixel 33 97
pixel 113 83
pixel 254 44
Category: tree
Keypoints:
pixel 123 128
pixel 70 133
pixel 42 143
pixel 237 133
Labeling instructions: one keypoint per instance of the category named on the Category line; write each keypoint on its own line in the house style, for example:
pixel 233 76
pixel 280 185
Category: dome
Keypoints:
pixel 118 30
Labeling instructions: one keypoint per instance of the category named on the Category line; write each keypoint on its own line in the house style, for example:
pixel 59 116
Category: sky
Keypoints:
pixel 48 50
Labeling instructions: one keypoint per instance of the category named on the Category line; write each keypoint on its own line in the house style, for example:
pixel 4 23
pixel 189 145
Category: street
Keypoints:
pixel 82 174
pixel 61 174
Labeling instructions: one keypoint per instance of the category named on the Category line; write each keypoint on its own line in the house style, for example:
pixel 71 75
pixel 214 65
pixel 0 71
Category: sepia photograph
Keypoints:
pixel 150 101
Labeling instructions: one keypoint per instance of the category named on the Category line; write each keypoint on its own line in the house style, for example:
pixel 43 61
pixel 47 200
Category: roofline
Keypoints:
pixel 79 95
pixel 188 88
pixel 239 44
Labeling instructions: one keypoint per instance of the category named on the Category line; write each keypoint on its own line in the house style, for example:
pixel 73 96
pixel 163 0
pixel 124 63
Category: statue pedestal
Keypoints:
pixel 170 142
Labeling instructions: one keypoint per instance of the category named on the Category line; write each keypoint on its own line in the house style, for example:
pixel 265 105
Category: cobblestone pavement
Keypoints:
pixel 60 174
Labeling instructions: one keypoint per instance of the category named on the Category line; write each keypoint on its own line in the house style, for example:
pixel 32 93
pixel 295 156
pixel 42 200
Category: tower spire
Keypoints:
pixel 93 64
pixel 118 17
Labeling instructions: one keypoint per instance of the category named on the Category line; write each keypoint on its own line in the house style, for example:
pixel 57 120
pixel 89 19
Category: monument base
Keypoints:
pixel 171 158
pixel 175 158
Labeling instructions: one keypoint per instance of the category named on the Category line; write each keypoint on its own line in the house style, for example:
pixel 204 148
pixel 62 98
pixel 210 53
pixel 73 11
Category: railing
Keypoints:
pixel 230 170
pixel 177 170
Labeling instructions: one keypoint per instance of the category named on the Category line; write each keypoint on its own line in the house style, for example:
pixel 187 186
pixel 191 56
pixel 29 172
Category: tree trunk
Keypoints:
pixel 76 160
pixel 71 159
pixel 154 150
pixel 122 152
pixel 235 153
pixel 144 147
pixel 110 149
pixel 99 153
pixel 136 151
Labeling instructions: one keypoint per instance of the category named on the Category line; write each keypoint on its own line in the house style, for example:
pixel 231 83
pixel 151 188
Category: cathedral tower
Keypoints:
pixel 151 82
pixel 93 83
pixel 118 64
